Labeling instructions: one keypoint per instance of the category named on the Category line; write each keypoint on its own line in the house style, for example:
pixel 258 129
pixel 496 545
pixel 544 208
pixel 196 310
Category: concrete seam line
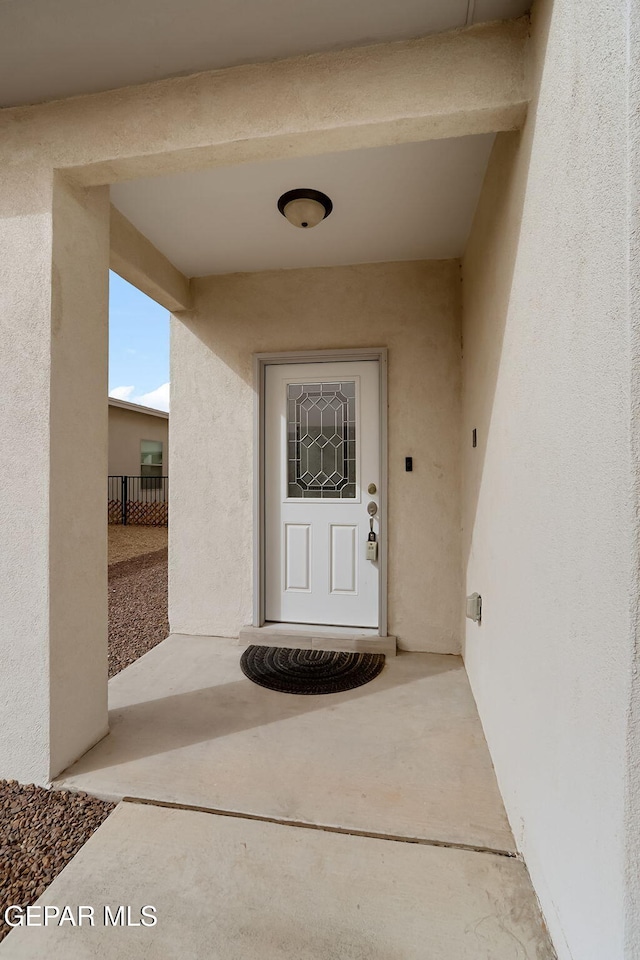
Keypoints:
pixel 347 831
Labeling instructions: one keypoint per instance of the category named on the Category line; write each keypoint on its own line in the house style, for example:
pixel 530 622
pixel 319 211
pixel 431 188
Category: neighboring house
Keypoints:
pixel 457 343
pixel 138 440
pixel 138 488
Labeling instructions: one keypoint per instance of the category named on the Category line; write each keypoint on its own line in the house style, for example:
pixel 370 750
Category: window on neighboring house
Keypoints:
pixel 151 462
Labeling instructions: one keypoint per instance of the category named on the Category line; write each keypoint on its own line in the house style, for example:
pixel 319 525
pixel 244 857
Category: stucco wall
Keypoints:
pixel 632 806
pixel 413 309
pixel 126 429
pixel 53 430
pixel 444 85
pixel 25 331
pixel 546 512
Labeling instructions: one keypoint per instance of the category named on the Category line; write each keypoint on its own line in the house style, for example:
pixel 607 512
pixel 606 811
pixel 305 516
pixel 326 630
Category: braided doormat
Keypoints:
pixel 288 670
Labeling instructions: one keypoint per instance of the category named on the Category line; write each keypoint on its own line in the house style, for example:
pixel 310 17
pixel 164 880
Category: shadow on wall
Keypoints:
pixel 488 269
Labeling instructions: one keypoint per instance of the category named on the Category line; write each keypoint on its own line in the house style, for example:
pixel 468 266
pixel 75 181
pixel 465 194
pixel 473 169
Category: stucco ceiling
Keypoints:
pixel 409 202
pixel 59 48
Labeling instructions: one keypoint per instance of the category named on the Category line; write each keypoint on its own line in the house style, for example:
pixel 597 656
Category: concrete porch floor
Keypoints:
pixel 233 889
pixel 404 755
pixel 400 760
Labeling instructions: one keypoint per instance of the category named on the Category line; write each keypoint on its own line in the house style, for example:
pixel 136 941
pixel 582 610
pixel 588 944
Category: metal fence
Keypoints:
pixel 138 500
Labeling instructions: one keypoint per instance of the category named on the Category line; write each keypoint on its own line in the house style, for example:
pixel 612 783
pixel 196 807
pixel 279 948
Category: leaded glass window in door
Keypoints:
pixel 321 440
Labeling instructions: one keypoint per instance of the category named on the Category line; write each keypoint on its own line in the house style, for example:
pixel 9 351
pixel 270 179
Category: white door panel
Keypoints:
pixel 322 450
pixel 343 558
pixel 297 557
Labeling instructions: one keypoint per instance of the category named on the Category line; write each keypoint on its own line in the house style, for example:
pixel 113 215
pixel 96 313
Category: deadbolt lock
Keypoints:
pixel 372 508
pixel 371 489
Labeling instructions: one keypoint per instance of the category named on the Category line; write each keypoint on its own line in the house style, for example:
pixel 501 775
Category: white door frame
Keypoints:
pixel 260 362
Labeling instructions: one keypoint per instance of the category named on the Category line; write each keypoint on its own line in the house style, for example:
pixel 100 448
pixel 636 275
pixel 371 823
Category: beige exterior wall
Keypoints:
pixel 126 429
pixel 411 308
pixel 134 258
pixel 632 739
pixel 547 517
pixel 445 85
pixel 54 255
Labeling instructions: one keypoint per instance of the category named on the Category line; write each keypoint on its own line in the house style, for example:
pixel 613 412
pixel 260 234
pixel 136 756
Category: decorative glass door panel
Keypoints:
pixel 321 440
pixel 322 450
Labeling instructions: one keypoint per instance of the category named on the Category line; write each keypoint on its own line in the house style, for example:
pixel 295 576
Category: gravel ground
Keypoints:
pixel 40 831
pixel 132 541
pixel 137 608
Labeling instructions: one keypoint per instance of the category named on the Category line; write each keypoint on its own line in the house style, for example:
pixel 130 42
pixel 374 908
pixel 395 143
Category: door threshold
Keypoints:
pixel 309 636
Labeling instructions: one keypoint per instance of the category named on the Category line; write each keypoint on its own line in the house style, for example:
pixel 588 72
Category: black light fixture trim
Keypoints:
pixel 305 193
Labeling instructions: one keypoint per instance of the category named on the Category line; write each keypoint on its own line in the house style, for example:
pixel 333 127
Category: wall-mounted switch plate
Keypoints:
pixel 474 607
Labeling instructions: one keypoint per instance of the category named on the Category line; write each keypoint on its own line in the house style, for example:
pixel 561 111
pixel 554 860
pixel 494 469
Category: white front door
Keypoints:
pixel 322 453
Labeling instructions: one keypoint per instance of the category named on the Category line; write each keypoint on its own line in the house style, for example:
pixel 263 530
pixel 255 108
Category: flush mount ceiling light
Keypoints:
pixel 304 207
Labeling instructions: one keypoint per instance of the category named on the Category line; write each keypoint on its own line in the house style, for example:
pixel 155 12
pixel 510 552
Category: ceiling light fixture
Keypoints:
pixel 304 207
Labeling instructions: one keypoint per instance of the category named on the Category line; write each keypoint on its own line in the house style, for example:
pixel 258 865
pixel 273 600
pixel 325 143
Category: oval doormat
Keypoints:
pixel 288 670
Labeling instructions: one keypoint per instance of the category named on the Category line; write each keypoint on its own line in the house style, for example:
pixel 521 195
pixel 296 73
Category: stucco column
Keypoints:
pixel 54 255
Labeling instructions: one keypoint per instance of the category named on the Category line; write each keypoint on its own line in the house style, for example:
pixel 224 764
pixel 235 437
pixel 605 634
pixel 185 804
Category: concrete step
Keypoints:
pixel 317 637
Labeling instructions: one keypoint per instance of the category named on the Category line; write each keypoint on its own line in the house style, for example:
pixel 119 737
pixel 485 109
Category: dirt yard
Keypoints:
pixel 137 607
pixel 137 592
pixel 128 542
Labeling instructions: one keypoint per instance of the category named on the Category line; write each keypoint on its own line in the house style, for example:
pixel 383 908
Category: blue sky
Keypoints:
pixel 138 346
